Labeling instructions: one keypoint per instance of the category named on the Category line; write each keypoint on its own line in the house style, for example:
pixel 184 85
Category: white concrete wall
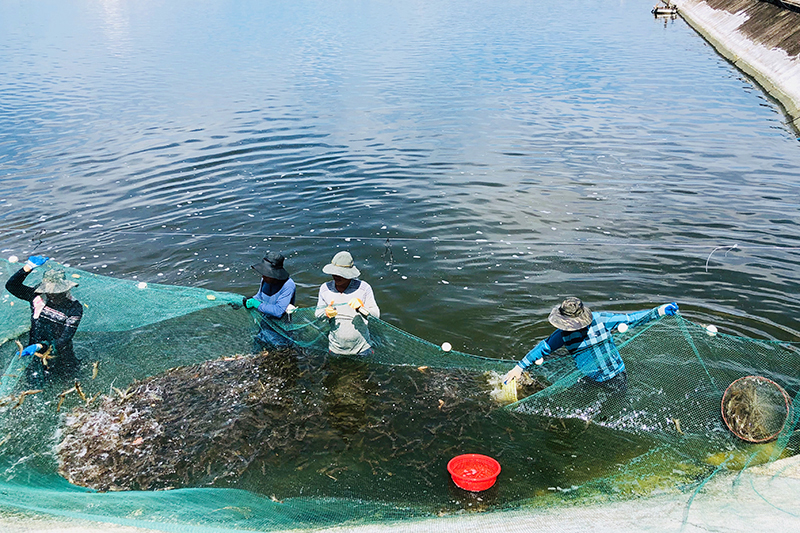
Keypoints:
pixel 773 68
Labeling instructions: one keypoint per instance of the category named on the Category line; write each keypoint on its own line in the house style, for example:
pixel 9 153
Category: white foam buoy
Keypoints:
pixel 13 259
pixel 622 328
pixel 446 346
pixel 711 329
pixel 141 285
pixel 211 297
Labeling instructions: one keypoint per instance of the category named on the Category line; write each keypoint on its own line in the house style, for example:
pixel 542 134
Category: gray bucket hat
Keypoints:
pixel 54 282
pixel 571 315
pixel 342 265
pixel 272 266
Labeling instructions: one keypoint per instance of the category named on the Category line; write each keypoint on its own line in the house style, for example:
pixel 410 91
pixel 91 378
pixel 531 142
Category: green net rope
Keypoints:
pixel 666 431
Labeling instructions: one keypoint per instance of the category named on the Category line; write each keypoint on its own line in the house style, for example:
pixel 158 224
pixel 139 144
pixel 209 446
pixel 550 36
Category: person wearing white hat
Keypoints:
pixel 55 316
pixel 347 303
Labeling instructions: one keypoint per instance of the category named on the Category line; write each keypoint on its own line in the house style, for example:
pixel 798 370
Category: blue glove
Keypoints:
pixel 36 261
pixel 251 303
pixel 668 309
pixel 29 350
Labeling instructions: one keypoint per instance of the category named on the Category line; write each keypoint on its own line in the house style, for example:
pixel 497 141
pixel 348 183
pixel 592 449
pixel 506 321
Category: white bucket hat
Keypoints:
pixel 342 265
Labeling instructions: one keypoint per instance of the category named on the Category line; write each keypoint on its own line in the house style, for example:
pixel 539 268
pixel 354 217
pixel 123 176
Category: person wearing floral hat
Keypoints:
pixel 587 338
pixel 274 301
pixel 347 303
pixel 55 316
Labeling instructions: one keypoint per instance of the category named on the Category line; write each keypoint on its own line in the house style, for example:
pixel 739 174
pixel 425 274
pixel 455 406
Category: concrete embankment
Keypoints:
pixel 760 38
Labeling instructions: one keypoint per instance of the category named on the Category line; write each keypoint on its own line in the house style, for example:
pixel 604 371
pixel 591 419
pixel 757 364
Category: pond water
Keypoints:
pixel 480 160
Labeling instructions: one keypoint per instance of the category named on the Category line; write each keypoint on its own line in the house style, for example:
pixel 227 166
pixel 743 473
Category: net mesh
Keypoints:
pixel 258 442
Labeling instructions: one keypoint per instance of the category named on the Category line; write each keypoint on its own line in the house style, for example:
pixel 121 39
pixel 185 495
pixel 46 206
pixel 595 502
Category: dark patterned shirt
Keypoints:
pixel 56 322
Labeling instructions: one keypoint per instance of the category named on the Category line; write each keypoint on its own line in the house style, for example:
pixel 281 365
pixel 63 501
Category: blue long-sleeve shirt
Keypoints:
pixel 593 347
pixel 275 298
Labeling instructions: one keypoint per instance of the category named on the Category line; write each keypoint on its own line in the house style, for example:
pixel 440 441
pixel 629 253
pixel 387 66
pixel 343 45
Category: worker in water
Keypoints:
pixel 55 316
pixel 347 303
pixel 587 338
pixel 274 301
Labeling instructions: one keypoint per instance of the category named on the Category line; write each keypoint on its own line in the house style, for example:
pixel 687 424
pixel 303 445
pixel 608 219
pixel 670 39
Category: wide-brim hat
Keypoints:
pixel 272 266
pixel 342 265
pixel 55 282
pixel 571 315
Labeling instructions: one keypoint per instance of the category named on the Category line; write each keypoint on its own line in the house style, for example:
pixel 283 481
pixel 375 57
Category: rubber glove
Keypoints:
pixel 668 309
pixel 36 261
pixel 290 309
pixel 30 350
pixel 514 373
pixel 358 305
pixel 252 303
pixel 330 312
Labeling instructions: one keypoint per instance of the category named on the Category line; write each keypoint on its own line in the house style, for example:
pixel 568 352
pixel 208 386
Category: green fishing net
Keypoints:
pixel 178 422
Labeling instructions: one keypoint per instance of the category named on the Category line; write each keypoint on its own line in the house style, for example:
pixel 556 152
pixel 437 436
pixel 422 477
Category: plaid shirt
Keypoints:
pixel 592 347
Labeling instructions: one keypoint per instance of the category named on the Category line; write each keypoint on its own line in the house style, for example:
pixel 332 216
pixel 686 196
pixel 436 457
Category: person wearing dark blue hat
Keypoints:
pixel 274 301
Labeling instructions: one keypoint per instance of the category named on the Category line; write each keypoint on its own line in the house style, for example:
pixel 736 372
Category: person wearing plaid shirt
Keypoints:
pixel 587 338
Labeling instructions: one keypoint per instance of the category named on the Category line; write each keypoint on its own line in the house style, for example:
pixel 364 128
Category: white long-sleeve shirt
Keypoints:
pixel 349 333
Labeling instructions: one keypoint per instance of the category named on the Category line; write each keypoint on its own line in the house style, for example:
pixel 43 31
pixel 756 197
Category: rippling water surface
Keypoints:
pixel 481 160
pixel 511 151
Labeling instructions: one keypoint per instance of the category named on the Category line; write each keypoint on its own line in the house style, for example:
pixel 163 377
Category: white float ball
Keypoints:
pixel 446 346
pixel 13 259
pixel 711 329
pixel 622 328
pixel 141 285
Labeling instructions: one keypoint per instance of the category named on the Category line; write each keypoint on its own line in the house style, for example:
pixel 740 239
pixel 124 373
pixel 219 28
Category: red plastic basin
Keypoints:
pixel 473 471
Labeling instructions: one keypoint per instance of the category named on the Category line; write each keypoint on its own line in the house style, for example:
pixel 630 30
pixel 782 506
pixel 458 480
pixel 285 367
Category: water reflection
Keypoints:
pixel 115 27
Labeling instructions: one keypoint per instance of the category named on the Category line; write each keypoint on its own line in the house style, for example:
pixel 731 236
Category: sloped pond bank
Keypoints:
pixel 762 39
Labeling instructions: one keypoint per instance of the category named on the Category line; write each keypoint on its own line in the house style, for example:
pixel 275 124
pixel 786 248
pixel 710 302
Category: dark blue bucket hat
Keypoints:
pixel 272 266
